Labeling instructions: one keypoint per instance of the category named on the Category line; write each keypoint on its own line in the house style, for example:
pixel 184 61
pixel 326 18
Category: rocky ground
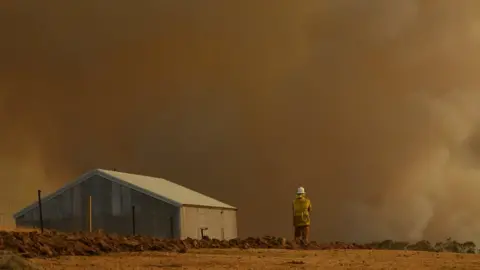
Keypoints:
pixel 54 244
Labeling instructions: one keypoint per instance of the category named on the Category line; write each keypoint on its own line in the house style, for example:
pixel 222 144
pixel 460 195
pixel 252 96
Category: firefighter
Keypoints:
pixel 301 216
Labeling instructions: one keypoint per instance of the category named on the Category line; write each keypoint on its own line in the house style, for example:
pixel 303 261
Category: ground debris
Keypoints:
pixel 54 244
pixel 296 262
pixel 11 261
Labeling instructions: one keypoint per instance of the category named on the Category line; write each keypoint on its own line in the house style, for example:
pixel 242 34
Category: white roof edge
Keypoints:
pixel 87 176
pixel 110 177
pixel 77 181
pixel 211 207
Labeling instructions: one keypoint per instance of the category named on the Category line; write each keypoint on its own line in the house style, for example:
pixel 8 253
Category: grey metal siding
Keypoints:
pixel 57 214
pixel 221 223
pixel 111 211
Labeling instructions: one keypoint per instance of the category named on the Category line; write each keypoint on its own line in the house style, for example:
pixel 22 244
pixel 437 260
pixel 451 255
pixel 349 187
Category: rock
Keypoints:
pixel 296 262
pixel 46 251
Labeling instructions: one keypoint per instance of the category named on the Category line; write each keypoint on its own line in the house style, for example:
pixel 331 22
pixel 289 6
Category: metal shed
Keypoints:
pixel 103 199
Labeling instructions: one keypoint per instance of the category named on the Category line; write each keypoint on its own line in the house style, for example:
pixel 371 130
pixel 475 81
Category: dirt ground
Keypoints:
pixel 268 259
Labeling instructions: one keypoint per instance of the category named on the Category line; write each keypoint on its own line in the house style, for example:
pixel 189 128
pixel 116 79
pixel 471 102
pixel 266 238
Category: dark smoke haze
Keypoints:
pixel 372 106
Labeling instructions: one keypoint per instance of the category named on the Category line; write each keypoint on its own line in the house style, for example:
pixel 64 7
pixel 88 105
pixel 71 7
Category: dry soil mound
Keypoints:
pixel 52 244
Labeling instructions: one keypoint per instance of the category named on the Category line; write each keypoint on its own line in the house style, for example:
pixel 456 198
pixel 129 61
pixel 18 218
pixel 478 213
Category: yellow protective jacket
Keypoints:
pixel 301 211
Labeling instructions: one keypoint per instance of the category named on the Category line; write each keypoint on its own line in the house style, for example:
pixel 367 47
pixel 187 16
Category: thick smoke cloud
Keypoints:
pixel 371 105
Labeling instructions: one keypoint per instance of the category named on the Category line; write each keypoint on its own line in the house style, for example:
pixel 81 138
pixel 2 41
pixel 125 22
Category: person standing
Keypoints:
pixel 301 216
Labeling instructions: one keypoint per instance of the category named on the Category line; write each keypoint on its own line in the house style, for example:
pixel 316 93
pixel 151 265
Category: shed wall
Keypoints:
pixel 221 223
pixel 111 211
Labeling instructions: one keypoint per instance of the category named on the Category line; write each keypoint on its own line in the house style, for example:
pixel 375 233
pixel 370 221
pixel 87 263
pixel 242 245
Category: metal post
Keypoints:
pixel 40 209
pixel 90 213
pixel 133 219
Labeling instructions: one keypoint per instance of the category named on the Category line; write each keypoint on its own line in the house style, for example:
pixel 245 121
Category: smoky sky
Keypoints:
pixel 372 106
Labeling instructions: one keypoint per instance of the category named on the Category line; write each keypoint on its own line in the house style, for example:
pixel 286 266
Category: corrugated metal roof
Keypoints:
pixel 168 190
pixel 156 187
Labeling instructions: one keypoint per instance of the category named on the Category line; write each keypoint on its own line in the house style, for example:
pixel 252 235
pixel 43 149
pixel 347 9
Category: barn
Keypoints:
pixel 125 203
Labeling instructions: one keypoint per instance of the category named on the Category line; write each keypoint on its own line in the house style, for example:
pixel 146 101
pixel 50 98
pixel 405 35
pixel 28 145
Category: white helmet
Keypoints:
pixel 300 190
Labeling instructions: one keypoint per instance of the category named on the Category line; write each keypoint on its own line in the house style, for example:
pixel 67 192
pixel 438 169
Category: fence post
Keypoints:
pixel 90 213
pixel 133 219
pixel 40 209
